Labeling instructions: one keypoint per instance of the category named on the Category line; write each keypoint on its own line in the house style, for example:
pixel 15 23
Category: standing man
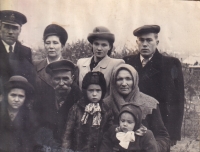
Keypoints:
pixel 15 58
pixel 53 110
pixel 160 77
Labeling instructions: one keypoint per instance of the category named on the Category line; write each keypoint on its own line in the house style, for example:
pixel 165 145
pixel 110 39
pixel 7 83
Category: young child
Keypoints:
pixel 89 118
pixel 130 135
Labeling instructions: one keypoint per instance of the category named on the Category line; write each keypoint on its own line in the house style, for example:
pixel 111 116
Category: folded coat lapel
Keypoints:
pixel 86 66
pixel 102 64
pixel 42 73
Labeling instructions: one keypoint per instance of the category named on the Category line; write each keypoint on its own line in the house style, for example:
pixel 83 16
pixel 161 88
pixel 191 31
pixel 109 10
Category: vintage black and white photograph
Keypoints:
pixel 99 76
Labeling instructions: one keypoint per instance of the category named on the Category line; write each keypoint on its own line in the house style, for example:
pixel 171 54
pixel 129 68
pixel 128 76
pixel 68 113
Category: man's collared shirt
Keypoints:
pixel 7 46
pixel 142 58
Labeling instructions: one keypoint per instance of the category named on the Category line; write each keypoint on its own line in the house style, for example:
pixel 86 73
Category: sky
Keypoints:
pixel 179 20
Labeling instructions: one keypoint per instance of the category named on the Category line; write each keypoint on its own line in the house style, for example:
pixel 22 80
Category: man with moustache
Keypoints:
pixel 160 77
pixel 15 58
pixel 53 111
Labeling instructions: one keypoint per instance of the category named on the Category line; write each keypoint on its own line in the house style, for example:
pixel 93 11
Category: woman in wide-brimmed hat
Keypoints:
pixel 17 122
pixel 102 43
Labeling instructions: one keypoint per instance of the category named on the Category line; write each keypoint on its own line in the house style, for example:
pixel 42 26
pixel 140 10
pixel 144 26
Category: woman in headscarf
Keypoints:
pixel 17 121
pixel 102 44
pixel 124 89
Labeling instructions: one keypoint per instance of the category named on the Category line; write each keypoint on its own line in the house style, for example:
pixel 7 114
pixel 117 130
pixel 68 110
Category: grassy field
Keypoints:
pixel 190 128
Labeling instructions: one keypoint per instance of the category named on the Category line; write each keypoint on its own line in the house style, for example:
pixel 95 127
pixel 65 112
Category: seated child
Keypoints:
pixel 130 135
pixel 89 118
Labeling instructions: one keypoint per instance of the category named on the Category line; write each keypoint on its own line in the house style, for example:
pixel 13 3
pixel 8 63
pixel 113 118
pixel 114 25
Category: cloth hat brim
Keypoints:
pixel 59 66
pixel 107 36
pixel 146 29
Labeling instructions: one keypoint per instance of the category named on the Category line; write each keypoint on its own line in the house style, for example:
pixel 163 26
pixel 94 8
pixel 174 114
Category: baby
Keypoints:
pixel 130 135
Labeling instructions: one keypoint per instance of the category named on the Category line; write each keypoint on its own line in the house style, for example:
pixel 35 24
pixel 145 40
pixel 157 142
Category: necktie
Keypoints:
pixel 144 62
pixel 10 49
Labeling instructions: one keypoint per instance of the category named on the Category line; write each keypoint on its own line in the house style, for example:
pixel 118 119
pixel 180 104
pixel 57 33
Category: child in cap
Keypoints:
pixel 89 118
pixel 130 135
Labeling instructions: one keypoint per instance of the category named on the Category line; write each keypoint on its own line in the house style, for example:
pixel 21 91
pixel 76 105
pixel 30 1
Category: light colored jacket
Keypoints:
pixel 106 66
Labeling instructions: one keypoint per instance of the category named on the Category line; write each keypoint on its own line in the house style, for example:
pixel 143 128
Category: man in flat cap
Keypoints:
pixel 54 109
pixel 160 77
pixel 15 58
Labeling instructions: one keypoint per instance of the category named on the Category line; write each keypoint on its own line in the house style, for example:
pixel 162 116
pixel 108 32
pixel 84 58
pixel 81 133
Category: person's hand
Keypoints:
pixel 173 142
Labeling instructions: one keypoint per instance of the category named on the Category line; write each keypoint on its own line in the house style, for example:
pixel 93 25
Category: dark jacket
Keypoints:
pixel 80 137
pixel 18 63
pixel 53 120
pixel 154 123
pixel 145 143
pixel 162 79
pixel 17 135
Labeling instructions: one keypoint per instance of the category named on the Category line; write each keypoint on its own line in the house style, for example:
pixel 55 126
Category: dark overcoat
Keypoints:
pixel 145 143
pixel 162 79
pixel 17 135
pixel 17 63
pixel 79 137
pixel 53 119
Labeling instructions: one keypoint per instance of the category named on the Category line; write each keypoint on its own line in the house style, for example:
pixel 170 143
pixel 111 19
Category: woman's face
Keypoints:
pixel 100 48
pixel 94 93
pixel 16 98
pixel 126 122
pixel 124 82
pixel 53 46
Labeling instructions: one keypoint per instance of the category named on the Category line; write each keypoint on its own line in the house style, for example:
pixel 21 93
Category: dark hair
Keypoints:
pixel 54 35
pixel 94 78
pixel 109 51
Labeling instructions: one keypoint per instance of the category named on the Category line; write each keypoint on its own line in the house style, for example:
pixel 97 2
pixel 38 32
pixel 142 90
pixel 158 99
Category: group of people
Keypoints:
pixel 100 104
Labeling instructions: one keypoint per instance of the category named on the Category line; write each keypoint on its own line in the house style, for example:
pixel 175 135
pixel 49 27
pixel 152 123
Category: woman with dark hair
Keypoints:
pixel 124 89
pixel 17 121
pixel 89 118
pixel 54 37
pixel 102 43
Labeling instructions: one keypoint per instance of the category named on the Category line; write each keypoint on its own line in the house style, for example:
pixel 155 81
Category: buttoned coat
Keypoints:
pixel 162 79
pixel 43 81
pixel 17 135
pixel 19 63
pixel 85 137
pixel 105 66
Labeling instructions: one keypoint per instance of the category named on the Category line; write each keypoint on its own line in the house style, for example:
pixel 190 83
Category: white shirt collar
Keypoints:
pixel 142 58
pixel 7 46
pixel 53 61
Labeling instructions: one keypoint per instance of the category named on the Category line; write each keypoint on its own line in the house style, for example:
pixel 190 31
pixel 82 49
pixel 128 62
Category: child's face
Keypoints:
pixel 126 122
pixel 94 93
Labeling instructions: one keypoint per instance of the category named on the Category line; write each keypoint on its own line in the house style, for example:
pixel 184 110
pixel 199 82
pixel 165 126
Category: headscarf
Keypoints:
pixel 146 103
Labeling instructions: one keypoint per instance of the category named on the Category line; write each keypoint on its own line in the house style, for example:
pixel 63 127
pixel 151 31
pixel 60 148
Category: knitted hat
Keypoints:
pixel 95 78
pixel 135 111
pixel 57 30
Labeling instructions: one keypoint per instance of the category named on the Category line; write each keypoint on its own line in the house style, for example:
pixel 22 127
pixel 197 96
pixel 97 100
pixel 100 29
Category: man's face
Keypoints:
pixel 61 81
pixel 16 98
pixel 147 44
pixel 10 33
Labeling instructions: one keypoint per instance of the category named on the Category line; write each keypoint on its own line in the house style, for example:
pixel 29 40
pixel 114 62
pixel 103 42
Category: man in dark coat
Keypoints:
pixel 160 77
pixel 15 58
pixel 54 108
